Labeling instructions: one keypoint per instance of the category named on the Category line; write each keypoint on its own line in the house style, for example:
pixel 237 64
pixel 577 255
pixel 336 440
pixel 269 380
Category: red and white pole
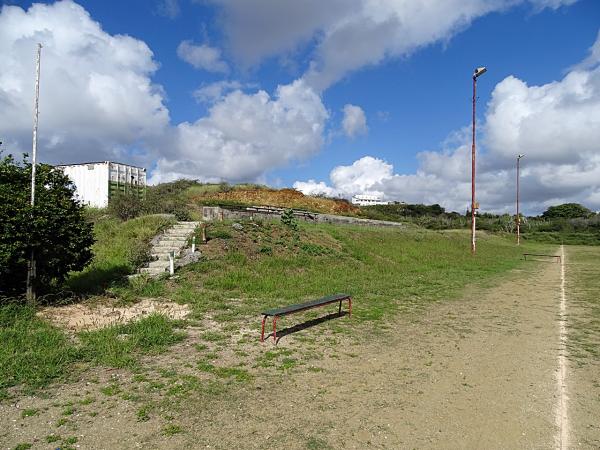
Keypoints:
pixel 473 227
pixel 518 219
pixel 478 72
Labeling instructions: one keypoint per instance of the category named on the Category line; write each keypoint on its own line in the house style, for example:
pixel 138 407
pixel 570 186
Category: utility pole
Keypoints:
pixel 476 74
pixel 518 216
pixel 31 269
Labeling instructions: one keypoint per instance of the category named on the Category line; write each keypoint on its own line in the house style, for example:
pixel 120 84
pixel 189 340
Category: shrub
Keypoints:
pixel 125 206
pixel 55 229
pixel 168 198
pixel 288 219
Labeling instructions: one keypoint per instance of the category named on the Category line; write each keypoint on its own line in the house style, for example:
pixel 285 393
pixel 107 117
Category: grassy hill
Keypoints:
pixel 255 195
pixel 261 265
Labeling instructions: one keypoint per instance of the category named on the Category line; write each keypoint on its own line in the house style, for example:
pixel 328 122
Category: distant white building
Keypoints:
pixel 97 182
pixel 367 200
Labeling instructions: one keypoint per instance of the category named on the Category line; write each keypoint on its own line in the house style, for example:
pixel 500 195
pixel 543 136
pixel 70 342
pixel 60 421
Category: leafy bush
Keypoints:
pixel 55 229
pixel 125 205
pixel 289 220
pixel 169 198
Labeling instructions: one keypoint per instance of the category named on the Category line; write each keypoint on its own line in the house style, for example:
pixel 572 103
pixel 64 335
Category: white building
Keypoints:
pixel 97 182
pixel 367 200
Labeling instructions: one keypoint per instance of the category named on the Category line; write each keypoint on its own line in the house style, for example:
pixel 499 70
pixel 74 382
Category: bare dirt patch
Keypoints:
pixel 93 315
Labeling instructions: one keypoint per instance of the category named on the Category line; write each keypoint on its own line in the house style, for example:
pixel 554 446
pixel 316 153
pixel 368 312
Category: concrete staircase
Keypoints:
pixel 172 240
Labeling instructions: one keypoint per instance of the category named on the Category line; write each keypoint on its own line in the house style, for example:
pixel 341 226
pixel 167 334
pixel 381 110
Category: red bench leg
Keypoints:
pixel 275 329
pixel 262 332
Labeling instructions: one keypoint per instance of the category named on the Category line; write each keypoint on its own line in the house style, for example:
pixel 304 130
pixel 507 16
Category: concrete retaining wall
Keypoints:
pixel 218 213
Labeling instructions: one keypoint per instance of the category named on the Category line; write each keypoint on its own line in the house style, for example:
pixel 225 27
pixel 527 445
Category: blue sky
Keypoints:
pixel 412 102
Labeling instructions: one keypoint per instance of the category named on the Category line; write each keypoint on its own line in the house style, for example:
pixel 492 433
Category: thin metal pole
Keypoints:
pixel 35 122
pixel 518 221
pixel 473 226
pixel 31 269
pixel 518 215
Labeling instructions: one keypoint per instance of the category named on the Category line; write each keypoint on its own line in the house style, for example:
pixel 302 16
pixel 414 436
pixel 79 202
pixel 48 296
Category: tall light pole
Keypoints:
pixel 476 74
pixel 518 219
pixel 31 266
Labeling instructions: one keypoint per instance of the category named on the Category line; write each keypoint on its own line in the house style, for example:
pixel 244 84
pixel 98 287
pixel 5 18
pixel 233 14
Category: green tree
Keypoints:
pixel 55 229
pixel 567 211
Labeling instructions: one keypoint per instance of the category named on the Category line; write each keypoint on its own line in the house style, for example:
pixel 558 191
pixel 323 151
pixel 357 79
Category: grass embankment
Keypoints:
pixel 583 317
pixel 266 264
pixel 254 195
pixel 120 248
pixel 386 270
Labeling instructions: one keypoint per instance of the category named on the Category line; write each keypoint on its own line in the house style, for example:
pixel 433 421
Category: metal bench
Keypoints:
pixel 278 312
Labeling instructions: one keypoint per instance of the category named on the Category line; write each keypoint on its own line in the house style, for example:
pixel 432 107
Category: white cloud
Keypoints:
pixel 557 127
pixel 96 95
pixel 202 57
pixel 354 122
pixel 360 177
pixel 349 34
pixel 212 92
pixel 98 102
pixel 312 187
pixel 245 135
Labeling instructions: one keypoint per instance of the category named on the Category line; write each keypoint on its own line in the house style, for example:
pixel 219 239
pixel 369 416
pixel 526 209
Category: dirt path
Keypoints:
pixel 476 373
pixel 481 372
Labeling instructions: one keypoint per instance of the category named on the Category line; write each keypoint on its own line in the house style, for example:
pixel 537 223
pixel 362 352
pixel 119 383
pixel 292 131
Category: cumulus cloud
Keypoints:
pixel 354 122
pixel 246 134
pixel 97 98
pixel 202 57
pixel 211 92
pixel 361 177
pixel 350 34
pixel 98 103
pixel 557 127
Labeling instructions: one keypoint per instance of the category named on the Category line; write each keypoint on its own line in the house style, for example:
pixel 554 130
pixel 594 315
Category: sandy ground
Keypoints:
pixel 479 372
pixel 87 316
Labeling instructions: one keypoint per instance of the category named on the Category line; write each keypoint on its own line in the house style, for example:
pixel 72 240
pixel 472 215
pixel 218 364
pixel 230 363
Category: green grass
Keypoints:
pixel 170 430
pixel 28 413
pixel 32 351
pixel 120 248
pixel 119 346
pixel 385 270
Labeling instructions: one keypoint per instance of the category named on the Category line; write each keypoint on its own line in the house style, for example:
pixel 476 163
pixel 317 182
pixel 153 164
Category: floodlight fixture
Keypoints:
pixel 479 71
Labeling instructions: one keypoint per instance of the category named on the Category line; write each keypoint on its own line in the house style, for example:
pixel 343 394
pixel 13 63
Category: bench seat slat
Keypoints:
pixel 307 305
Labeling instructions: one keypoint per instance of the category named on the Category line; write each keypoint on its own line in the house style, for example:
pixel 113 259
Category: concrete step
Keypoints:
pixel 161 264
pixel 166 250
pixel 171 242
pixel 152 270
pixel 178 233
pixel 161 256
